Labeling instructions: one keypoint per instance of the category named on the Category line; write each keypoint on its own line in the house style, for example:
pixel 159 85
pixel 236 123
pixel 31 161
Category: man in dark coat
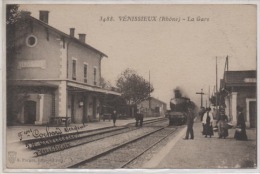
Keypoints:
pixel 201 113
pixel 139 116
pixel 114 117
pixel 240 133
pixel 190 121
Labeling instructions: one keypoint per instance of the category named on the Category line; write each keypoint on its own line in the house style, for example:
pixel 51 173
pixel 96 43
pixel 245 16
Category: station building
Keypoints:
pixel 239 89
pixel 53 74
pixel 153 107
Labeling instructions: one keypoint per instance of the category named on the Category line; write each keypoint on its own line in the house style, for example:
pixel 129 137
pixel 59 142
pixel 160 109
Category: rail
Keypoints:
pixel 127 148
pixel 38 145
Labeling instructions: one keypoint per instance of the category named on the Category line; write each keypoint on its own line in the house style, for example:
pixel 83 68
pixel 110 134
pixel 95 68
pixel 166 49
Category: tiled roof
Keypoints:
pixel 239 77
pixel 157 100
pixel 66 35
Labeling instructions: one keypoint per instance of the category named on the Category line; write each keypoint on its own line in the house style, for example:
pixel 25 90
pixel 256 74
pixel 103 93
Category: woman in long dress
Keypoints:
pixel 207 123
pixel 240 133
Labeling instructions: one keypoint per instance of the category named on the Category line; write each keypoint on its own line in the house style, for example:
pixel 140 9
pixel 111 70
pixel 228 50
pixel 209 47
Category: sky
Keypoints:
pixel 177 54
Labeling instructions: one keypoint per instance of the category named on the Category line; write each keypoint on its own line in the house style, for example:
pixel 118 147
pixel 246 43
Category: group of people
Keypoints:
pixel 220 120
pixel 207 119
pixel 139 117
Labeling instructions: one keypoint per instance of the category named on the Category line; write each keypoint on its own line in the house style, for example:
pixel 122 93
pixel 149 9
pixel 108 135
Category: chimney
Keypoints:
pixel 44 16
pixel 82 37
pixel 72 32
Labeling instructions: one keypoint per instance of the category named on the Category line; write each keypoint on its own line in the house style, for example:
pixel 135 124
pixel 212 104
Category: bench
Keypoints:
pixel 60 120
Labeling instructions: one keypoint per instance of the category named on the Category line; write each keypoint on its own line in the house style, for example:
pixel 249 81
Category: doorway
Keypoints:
pixel 85 109
pixel 29 112
pixel 94 107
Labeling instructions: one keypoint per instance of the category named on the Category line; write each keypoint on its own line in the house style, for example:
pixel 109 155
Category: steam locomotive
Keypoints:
pixel 179 107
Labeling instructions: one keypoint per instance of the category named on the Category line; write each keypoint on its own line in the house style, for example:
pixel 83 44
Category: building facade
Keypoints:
pixel 53 74
pixel 153 107
pixel 239 88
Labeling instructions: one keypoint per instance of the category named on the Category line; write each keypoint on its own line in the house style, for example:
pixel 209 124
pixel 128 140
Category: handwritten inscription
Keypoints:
pixel 127 18
pixel 53 148
pixel 53 140
pixel 69 129
pixel 48 141
pixel 36 133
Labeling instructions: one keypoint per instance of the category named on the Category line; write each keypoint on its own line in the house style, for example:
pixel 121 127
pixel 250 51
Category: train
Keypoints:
pixel 179 107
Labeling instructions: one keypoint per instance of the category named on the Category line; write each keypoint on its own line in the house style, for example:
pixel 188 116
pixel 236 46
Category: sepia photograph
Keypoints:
pixel 129 86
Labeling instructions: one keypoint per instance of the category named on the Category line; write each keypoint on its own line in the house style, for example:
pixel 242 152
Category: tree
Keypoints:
pixel 134 87
pixel 11 13
pixel 105 84
pixel 15 20
pixel 15 23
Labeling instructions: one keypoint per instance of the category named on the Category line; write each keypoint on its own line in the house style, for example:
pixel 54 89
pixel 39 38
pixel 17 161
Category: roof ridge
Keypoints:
pixel 66 35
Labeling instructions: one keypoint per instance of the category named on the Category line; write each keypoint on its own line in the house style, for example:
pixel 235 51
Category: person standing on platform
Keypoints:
pixel 139 116
pixel 240 133
pixel 222 123
pixel 201 113
pixel 114 117
pixel 207 123
pixel 190 121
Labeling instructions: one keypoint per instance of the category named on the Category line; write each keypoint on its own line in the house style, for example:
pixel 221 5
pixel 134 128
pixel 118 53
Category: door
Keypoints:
pixel 85 109
pixel 157 109
pixel 30 112
pixel 252 114
pixel 94 107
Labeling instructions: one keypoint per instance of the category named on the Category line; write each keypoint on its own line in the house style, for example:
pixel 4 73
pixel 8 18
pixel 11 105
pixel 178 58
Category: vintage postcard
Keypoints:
pixel 130 86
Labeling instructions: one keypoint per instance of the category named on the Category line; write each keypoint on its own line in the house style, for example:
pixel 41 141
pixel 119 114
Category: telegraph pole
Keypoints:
pixel 216 74
pixel 149 92
pixel 209 96
pixel 217 82
pixel 201 97
pixel 227 62
pixel 225 68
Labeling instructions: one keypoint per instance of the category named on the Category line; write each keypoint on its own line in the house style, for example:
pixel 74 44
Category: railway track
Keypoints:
pixel 147 122
pixel 47 145
pixel 122 155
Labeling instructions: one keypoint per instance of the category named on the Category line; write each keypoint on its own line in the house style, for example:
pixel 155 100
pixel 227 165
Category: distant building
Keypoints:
pixel 157 107
pixel 52 74
pixel 239 88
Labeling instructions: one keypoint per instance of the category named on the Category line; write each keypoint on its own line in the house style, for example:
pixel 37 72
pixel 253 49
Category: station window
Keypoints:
pixel 95 76
pixel 85 73
pixel 31 41
pixel 74 69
